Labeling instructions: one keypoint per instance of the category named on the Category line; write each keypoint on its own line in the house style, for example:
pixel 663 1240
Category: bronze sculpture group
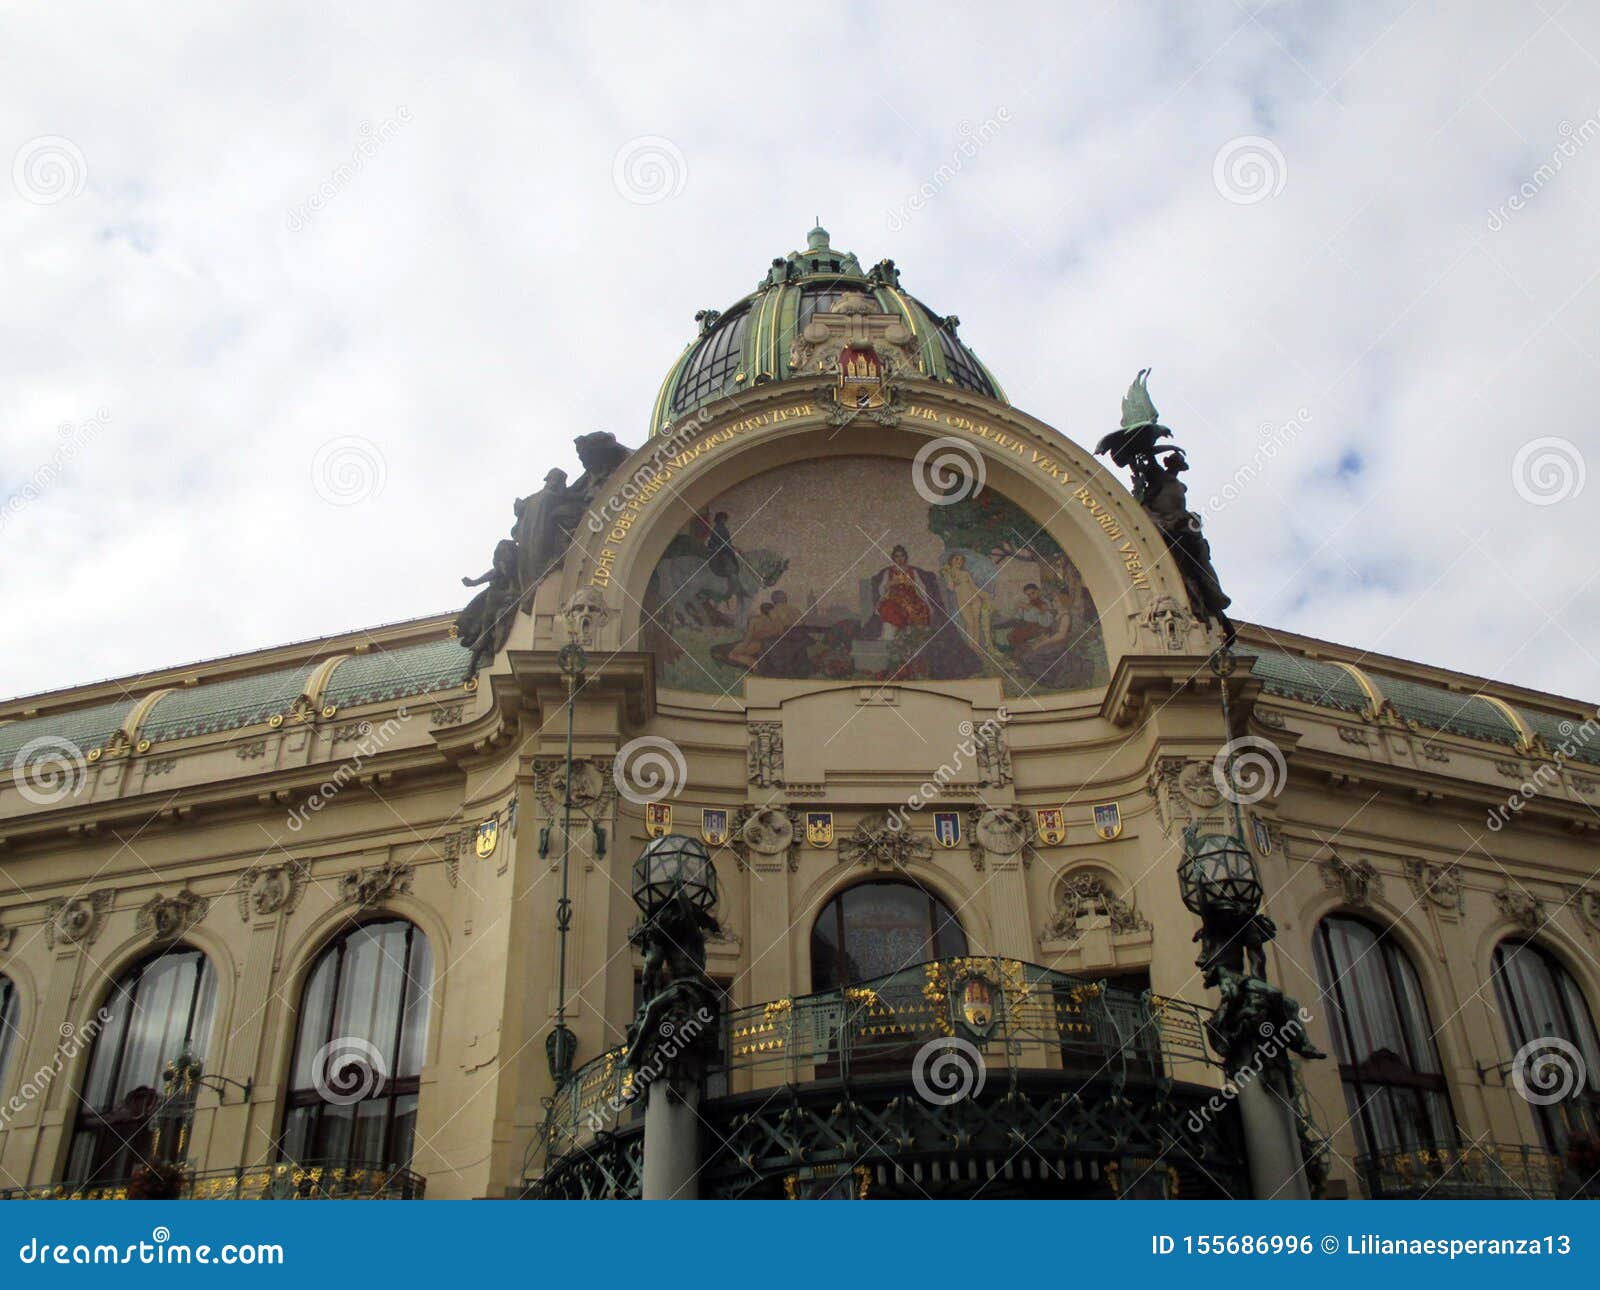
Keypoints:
pixel 543 528
pixel 1158 488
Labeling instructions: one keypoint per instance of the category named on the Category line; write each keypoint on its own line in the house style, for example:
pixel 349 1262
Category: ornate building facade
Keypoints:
pixel 352 916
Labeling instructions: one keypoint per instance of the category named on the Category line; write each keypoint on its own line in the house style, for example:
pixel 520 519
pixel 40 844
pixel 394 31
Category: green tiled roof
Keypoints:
pixel 224 705
pixel 397 673
pixel 1441 709
pixel 84 728
pixel 1310 680
pixel 1561 730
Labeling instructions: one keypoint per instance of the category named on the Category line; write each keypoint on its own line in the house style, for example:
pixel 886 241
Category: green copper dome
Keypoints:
pixel 748 343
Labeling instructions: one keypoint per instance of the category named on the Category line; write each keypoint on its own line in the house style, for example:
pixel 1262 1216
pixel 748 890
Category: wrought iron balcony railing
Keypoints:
pixel 281 1181
pixel 1463 1171
pixel 1014 1016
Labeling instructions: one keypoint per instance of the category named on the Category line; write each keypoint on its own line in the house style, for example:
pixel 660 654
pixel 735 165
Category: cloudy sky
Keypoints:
pixel 295 302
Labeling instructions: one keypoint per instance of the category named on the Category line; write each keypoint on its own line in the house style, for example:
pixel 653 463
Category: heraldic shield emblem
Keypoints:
pixel 487 837
pixel 658 818
pixel 947 828
pixel 713 826
pixel 1108 820
pixel 976 1004
pixel 1050 823
pixel 819 828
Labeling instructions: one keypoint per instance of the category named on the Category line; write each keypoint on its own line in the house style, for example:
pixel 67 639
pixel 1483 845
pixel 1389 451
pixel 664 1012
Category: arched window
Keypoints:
pixel 10 1020
pixel 358 1055
pixel 1394 1086
pixel 875 928
pixel 156 1010
pixel 1540 1001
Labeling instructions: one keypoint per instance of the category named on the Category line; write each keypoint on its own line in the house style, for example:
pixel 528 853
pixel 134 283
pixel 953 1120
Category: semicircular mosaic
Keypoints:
pixel 839 570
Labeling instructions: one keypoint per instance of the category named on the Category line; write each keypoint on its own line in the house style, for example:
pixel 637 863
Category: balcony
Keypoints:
pixel 1470 1171
pixel 1061 1083
pixel 281 1181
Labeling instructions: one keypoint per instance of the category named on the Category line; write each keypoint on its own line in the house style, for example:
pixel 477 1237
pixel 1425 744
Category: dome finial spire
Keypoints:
pixel 817 238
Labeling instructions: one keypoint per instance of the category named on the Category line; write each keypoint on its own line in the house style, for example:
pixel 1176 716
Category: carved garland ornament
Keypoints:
pixel 267 889
pixel 880 841
pixel 1526 911
pixel 1438 884
pixel 368 887
pixel 766 754
pixel 1357 880
pixel 166 918
pixel 77 920
pixel 1084 900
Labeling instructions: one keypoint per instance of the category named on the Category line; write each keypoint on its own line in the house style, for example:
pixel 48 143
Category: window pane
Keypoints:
pixel 373 985
pixel 886 926
pixel 10 1019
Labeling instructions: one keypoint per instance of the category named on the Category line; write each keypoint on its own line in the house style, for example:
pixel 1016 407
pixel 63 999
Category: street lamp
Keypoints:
pixel 672 864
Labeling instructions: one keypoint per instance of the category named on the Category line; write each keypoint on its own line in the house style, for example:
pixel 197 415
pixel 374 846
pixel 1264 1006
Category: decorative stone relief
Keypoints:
pixel 1526 911
pixel 1433 752
pixel 250 751
pixel 166 918
pixel 1165 626
pixel 160 765
pixel 448 715
pixel 1354 735
pixel 1357 880
pixel 1583 899
pixel 368 887
pixel 1510 769
pixel 351 731
pixel 586 613
pixel 994 758
pixel 766 754
pixel 77 920
pixel 1085 901
pixel 880 841
pixel 1271 720
pixel 267 889
pixel 1184 793
pixel 593 788
pixel 1438 884
pixel 1001 833
pixel 763 834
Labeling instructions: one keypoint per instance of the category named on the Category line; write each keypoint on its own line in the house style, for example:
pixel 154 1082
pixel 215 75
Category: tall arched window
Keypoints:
pixel 1394 1086
pixel 358 1055
pixel 10 1020
pixel 1539 1001
pixel 875 928
pixel 156 1010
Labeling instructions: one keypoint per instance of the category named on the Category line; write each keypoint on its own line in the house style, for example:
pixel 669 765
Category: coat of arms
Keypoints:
pixel 714 826
pixel 487 837
pixel 1050 823
pixel 974 997
pixel 1108 820
pixel 658 818
pixel 947 828
pixel 819 828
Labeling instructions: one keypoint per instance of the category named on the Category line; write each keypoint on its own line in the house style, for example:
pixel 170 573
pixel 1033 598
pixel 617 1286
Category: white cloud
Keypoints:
pixel 478 292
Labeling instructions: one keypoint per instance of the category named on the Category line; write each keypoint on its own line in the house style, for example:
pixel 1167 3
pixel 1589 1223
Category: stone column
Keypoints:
pixel 672 1140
